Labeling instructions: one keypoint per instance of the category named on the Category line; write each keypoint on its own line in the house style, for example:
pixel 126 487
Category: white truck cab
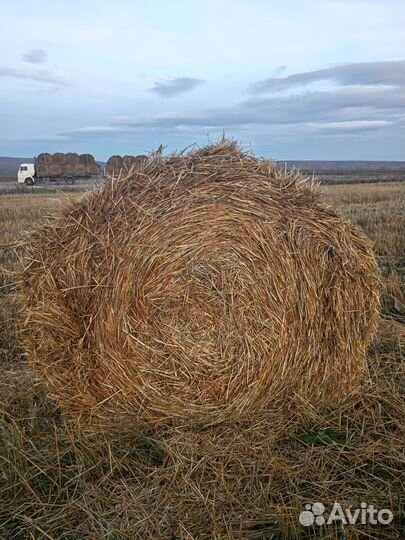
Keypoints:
pixel 26 174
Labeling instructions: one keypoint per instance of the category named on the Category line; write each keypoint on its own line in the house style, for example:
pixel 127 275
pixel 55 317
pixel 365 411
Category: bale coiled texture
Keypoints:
pixel 198 287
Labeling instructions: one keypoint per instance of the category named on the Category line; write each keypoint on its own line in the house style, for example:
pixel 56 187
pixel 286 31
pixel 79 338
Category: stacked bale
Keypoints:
pixel 199 288
pixel 133 161
pixel 87 165
pixel 114 166
pixel 60 164
pixel 117 165
pixel 128 162
pixel 71 163
pixel 48 166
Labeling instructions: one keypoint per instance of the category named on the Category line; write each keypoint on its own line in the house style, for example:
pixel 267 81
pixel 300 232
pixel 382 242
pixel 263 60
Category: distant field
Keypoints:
pixel 326 166
pixel 379 209
pixel 328 172
pixel 349 172
pixel 358 177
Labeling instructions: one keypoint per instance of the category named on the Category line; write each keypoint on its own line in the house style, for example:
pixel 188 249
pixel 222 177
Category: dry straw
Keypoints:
pixel 198 287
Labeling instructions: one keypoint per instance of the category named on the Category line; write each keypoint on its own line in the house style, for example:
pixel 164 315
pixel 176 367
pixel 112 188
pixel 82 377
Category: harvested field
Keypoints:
pixel 245 479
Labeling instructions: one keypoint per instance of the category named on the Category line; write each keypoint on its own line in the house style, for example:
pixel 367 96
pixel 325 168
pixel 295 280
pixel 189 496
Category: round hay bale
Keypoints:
pixel 80 168
pixel 57 165
pixel 44 161
pixel 140 159
pixel 114 166
pixel 87 165
pixel 196 288
pixel 54 168
pixel 128 162
pixel 117 164
pixel 71 162
pixel 95 169
pixel 44 157
pixel 59 158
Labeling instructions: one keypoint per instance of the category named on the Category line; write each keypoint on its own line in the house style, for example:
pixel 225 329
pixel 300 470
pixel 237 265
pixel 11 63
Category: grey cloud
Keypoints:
pixel 43 76
pixel 351 126
pixel 344 104
pixel 37 138
pixel 345 111
pixel 35 56
pixel 174 87
pixel 279 70
pixel 94 132
pixel 363 73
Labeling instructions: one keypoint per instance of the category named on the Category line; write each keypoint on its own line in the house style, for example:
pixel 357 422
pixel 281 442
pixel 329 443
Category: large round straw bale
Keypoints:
pixel 199 286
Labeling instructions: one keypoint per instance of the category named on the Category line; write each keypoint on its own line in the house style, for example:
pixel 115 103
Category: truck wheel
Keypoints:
pixel 29 181
pixel 70 180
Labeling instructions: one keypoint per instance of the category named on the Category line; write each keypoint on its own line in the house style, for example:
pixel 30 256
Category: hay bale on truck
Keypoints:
pixel 114 166
pixel 87 165
pixel 117 164
pixel 228 288
pixel 133 161
pixel 47 165
pixel 71 163
pixel 68 165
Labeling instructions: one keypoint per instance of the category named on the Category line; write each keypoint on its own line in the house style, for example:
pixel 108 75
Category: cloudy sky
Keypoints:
pixel 298 79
